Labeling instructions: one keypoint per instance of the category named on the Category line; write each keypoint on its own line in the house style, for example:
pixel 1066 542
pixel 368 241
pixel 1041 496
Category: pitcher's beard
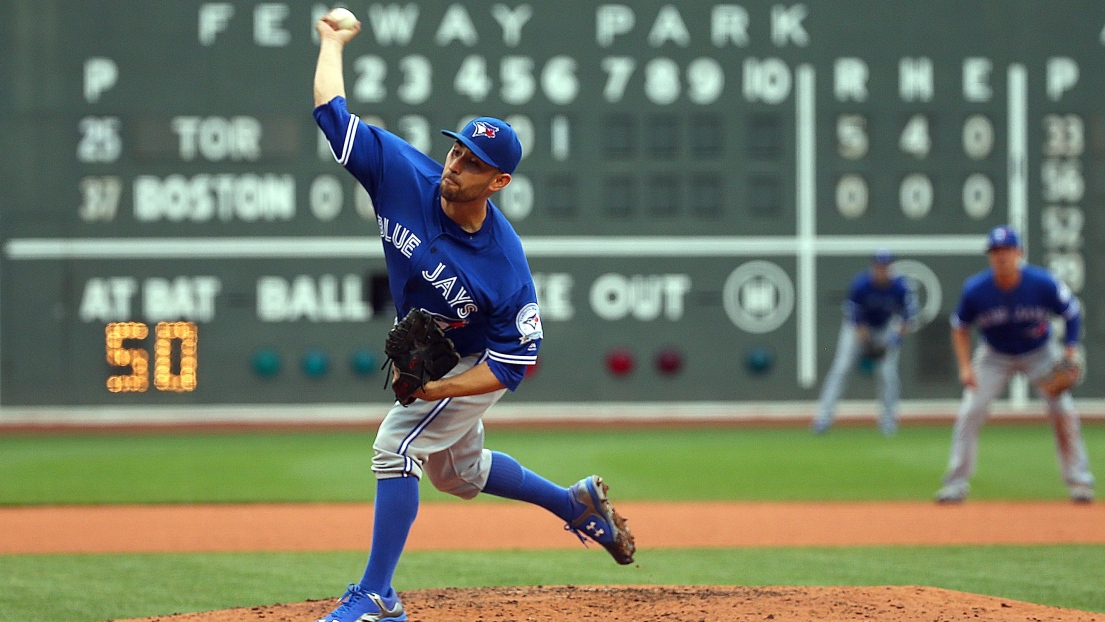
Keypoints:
pixel 453 192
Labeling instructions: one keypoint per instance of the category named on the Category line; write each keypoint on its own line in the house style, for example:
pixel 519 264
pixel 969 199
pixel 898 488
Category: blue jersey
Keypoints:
pixel 478 285
pixel 873 305
pixel 1019 320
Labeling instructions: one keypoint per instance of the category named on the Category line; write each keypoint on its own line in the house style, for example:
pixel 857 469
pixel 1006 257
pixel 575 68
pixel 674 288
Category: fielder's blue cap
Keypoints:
pixel 492 140
pixel 1002 237
pixel 882 257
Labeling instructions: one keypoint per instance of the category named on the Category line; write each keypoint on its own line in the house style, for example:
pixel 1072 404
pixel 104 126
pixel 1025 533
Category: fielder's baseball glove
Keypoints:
pixel 1062 377
pixel 873 349
pixel 420 352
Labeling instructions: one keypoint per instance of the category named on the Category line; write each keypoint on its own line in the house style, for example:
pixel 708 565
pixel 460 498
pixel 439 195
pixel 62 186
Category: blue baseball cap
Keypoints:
pixel 1002 237
pixel 492 140
pixel 882 257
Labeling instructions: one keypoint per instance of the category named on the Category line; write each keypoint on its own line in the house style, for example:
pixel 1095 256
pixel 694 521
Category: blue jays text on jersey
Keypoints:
pixel 1018 320
pixel 478 285
pixel 872 305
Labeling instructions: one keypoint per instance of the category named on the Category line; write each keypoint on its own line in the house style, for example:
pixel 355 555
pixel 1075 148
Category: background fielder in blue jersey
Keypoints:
pixel 1012 304
pixel 450 251
pixel 880 307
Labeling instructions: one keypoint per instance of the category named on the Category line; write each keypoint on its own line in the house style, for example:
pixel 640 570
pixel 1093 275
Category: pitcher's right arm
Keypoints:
pixel 329 82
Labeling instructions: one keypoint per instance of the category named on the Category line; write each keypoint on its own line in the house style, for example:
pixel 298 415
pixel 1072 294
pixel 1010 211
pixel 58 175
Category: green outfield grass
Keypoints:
pixel 1016 462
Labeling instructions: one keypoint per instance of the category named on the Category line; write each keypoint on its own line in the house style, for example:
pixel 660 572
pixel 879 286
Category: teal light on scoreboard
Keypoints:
pixel 701 174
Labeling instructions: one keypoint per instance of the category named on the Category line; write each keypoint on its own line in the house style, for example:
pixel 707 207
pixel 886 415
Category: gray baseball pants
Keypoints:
pixel 992 373
pixel 443 439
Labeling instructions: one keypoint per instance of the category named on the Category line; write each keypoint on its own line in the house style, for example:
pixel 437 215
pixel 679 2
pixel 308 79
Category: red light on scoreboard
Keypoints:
pixel 669 361
pixel 620 362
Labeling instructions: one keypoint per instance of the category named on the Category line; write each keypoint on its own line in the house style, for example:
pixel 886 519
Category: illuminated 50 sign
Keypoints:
pixel 184 334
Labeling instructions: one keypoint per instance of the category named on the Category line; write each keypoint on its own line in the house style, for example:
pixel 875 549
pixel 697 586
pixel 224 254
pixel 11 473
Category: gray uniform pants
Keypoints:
pixel 847 355
pixel 443 439
pixel 992 373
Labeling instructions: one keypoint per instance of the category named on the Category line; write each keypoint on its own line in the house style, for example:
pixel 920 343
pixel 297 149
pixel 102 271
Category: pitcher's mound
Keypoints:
pixel 675 604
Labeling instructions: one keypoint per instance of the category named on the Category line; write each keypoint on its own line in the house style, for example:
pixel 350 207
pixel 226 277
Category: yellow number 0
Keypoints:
pixel 138 360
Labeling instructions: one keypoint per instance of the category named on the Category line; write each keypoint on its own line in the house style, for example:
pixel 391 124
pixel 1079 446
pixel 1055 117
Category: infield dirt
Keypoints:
pixel 489 526
pixel 676 604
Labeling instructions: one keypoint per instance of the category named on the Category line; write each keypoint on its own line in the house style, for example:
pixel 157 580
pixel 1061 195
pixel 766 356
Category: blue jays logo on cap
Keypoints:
pixel 485 129
pixel 1002 237
pixel 491 140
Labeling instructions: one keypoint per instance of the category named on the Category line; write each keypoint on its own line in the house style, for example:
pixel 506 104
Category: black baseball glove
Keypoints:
pixel 420 352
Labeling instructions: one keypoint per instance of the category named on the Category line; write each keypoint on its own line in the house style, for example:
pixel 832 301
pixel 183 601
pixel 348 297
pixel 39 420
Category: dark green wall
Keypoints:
pixel 665 186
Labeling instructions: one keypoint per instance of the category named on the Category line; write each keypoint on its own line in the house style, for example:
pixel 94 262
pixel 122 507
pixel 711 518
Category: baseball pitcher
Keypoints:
pixel 470 328
pixel 1012 304
pixel 877 314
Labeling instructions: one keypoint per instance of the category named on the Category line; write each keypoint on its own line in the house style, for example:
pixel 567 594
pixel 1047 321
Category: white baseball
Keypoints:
pixel 344 18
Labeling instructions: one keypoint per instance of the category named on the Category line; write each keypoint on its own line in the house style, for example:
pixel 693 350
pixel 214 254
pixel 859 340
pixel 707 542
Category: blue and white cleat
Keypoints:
pixel 598 520
pixel 357 605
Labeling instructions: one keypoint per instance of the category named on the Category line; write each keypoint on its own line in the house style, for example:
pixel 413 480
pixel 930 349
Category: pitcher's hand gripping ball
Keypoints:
pixel 420 352
pixel 1062 377
pixel 343 18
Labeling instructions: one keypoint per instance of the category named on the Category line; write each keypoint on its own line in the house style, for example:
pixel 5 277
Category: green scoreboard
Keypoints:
pixel 700 183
